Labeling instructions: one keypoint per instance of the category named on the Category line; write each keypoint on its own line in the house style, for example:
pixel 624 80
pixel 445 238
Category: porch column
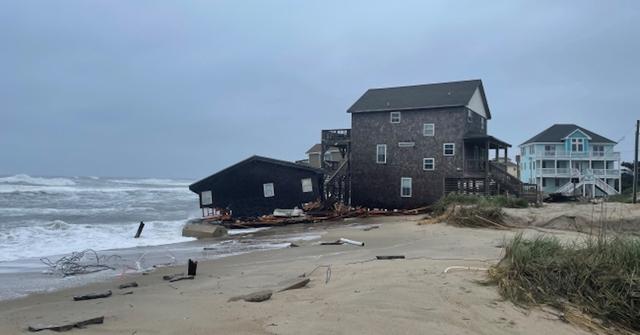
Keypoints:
pixel 486 169
pixel 506 156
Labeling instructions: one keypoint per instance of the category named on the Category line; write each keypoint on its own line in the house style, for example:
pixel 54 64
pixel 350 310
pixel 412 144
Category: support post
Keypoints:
pixel 635 165
pixel 139 232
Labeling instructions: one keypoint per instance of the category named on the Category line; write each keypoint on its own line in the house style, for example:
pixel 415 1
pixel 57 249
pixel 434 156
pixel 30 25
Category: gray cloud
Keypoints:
pixel 181 89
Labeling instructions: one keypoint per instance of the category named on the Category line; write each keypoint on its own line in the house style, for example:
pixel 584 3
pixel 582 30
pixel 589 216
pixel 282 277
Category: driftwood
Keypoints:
pixel 127 285
pixel 294 284
pixel 254 297
pixel 390 257
pixel 179 278
pixel 67 326
pixel 331 243
pixel 371 228
pixel 175 275
pixel 92 296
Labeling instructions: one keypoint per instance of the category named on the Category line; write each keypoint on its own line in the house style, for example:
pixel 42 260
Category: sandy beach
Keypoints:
pixel 361 295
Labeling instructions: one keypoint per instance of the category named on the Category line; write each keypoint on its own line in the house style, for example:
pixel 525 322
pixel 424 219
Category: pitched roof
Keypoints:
pixel 558 132
pixel 316 148
pixel 429 96
pixel 193 187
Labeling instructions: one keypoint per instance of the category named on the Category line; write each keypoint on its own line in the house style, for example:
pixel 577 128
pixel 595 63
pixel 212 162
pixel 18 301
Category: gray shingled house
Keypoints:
pixel 410 145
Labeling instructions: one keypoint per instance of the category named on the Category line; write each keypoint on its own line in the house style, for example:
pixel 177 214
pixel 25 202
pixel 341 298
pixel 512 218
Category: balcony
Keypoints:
pixel 588 155
pixel 336 137
pixel 567 173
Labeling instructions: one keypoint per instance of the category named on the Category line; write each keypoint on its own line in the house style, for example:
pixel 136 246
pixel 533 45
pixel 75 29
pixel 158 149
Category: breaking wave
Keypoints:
pixel 151 181
pixel 23 179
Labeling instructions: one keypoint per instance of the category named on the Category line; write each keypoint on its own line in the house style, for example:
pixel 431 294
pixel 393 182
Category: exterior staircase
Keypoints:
pixel 585 178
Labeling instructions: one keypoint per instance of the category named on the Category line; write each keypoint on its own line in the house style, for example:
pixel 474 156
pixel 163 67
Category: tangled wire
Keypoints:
pixel 82 262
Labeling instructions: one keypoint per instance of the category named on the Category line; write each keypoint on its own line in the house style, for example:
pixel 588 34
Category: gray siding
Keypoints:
pixel 378 185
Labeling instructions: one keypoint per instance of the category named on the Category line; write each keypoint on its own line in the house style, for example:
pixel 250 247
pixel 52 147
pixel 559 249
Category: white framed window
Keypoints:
pixel 428 164
pixel 405 187
pixel 598 150
pixel 469 116
pixel 307 185
pixel 268 190
pixel 428 129
pixel 381 153
pixel 206 198
pixel 394 117
pixel 532 149
pixel 449 149
pixel 577 144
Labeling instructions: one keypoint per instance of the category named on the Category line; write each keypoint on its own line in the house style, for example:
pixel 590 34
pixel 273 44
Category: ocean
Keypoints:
pixel 50 216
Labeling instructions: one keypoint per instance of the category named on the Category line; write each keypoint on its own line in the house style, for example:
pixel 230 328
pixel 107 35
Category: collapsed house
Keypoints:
pixel 258 185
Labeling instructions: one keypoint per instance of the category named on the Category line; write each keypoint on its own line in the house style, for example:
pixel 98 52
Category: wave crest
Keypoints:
pixel 26 179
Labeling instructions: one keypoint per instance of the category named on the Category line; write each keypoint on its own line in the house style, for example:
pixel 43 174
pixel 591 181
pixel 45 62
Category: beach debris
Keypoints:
pixel 352 242
pixel 371 228
pixel 204 230
pixel 192 267
pixel 91 296
pixel 179 278
pixel 171 276
pixel 390 257
pixel 139 232
pixel 343 240
pixel 287 213
pixel 82 262
pixel 126 293
pixel 293 245
pixel 327 273
pixel 128 285
pixel 63 327
pixel 253 297
pixel 293 284
pixel 467 268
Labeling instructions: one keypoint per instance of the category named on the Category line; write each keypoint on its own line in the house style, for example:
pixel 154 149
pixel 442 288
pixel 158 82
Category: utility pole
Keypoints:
pixel 635 165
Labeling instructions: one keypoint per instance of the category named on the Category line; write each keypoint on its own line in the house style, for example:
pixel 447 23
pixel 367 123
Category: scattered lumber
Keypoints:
pixel 63 327
pixel 175 275
pixel 179 278
pixel 348 241
pixel 331 243
pixel 91 296
pixel 128 285
pixel 294 284
pixel 390 257
pixel 254 297
pixel 371 228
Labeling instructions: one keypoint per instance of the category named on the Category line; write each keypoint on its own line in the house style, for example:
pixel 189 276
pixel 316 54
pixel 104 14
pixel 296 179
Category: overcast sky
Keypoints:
pixel 185 88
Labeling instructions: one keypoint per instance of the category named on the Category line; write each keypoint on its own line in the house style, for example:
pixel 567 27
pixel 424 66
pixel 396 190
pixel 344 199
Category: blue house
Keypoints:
pixel 569 159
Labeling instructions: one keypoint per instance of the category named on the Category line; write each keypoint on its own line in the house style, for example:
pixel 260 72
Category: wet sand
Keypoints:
pixel 362 295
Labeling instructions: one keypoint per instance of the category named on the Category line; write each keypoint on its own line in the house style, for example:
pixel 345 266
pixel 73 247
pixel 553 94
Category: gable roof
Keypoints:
pixel 195 186
pixel 558 132
pixel 429 96
pixel 317 148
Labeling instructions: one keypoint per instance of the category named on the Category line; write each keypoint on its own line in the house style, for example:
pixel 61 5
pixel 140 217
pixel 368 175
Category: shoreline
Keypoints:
pixel 361 296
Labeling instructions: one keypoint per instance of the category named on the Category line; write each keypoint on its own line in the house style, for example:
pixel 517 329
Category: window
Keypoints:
pixel 449 149
pixel 557 182
pixel 532 149
pixel 428 129
pixel 522 152
pixel 268 190
pixel 469 116
pixel 577 144
pixel 549 150
pixel 428 164
pixel 395 117
pixel 544 182
pixel 598 150
pixel 405 187
pixel 307 185
pixel 381 154
pixel 206 198
pixel 482 123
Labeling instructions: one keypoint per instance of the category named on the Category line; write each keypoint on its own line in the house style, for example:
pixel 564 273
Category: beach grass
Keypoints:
pixel 599 276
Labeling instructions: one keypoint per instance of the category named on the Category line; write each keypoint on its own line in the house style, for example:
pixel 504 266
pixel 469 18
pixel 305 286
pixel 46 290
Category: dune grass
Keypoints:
pixel 500 201
pixel 600 276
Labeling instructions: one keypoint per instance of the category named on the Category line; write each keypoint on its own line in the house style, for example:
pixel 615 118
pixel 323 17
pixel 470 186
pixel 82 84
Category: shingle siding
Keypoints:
pixel 378 185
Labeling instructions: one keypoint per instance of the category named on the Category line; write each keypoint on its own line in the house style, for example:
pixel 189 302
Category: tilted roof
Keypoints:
pixel 195 186
pixel 558 132
pixel 429 96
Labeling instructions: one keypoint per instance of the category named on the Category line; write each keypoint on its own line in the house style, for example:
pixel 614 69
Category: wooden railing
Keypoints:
pixel 333 135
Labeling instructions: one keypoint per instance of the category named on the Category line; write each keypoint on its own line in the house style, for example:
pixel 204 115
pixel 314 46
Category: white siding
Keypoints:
pixel 476 105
